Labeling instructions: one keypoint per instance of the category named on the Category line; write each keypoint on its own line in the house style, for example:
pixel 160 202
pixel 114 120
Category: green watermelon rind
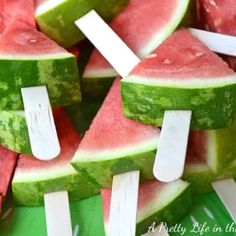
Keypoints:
pixel 221 148
pixel 96 79
pixel 58 22
pixel 14 132
pixel 38 182
pixel 109 163
pixel 60 75
pixel 200 176
pixel 211 101
pixel 169 210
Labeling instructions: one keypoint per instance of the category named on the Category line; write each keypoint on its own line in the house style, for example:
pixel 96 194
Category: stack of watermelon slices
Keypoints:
pixel 113 144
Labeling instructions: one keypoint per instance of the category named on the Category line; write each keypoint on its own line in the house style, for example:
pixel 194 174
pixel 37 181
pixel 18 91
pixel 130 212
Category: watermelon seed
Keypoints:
pixel 194 221
pixel 167 62
pixel 212 2
pixel 218 21
pixel 199 54
pixel 76 231
pixel 33 40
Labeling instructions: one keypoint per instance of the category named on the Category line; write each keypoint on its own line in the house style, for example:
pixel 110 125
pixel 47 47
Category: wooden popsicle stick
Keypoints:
pixel 124 202
pixel 226 190
pixel 169 150
pixel 40 122
pixel 57 212
pixel 219 43
pixel 117 53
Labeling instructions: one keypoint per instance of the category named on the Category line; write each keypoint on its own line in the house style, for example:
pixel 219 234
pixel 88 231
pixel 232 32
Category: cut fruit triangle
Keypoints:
pixel 181 74
pixel 115 144
pixel 20 39
pixel 152 20
pixel 33 177
pixel 158 202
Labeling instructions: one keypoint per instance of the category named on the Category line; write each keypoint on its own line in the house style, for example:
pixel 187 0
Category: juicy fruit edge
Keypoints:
pixel 167 208
pixel 96 83
pixel 59 75
pixel 146 100
pixel 60 26
pixel 51 180
pixel 112 162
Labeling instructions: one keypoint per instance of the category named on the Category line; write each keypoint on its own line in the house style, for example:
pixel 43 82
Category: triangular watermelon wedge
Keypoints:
pixel 157 202
pixel 33 177
pixel 114 144
pixel 28 58
pixel 181 74
pixel 142 25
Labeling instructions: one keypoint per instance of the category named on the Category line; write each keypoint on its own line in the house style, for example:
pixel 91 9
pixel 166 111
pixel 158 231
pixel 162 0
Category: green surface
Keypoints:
pixel 58 22
pixel 88 215
pixel 212 107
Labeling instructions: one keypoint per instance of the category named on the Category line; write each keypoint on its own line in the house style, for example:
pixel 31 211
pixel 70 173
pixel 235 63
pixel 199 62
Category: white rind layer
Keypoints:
pixel 43 174
pixel 183 83
pixel 60 55
pixel 47 6
pixel 134 149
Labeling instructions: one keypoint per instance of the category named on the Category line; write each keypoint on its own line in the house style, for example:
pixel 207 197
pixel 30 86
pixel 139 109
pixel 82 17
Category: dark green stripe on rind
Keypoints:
pixel 101 172
pixel 212 108
pixel 60 75
pixel 76 185
pixel 200 178
pixel 58 22
pixel 171 213
pixel 14 132
pixel 95 88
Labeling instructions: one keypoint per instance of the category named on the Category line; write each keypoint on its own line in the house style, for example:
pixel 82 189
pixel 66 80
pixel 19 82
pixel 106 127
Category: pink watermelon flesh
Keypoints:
pixel 8 161
pixel 219 16
pixel 169 61
pixel 137 25
pixel 20 39
pixel 69 141
pixel 111 130
pixel 13 10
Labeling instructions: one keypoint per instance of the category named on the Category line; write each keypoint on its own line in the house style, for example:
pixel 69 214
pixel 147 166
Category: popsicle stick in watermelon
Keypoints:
pixel 169 164
pixel 41 127
pixel 32 60
pixel 220 43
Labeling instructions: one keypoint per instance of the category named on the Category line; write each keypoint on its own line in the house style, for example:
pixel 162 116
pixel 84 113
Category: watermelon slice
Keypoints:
pixel 157 202
pixel 8 161
pixel 56 17
pixel 33 177
pixel 152 22
pixel 219 16
pixel 182 74
pixel 12 10
pixel 25 52
pixel 115 144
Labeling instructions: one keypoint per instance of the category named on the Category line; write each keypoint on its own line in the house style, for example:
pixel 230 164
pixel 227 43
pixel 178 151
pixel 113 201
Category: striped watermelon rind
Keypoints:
pixel 57 21
pixel 97 81
pixel 50 180
pixel 109 163
pixel 14 131
pixel 58 72
pixel 211 102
